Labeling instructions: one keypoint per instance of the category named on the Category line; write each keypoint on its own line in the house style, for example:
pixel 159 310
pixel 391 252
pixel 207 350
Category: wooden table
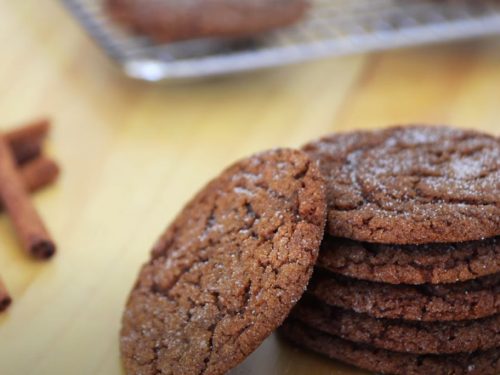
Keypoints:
pixel 133 153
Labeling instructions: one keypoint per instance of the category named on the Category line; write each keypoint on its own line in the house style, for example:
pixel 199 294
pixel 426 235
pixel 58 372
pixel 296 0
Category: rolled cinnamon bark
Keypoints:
pixel 36 174
pixel 27 151
pixel 26 141
pixel 5 299
pixel 30 228
pixel 39 173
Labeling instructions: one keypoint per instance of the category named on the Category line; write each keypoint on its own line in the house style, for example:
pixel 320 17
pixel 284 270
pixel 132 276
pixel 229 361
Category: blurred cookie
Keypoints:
pixel 388 362
pixel 228 269
pixel 399 335
pixel 173 20
pixel 471 299
pixel 411 264
pixel 411 185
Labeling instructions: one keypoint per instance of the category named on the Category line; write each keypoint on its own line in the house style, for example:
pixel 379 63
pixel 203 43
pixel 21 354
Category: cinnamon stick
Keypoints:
pixel 30 229
pixel 27 151
pixel 39 173
pixel 26 141
pixel 5 299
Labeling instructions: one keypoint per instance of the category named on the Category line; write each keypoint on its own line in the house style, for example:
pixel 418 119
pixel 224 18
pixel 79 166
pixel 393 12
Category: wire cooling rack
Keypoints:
pixel 332 27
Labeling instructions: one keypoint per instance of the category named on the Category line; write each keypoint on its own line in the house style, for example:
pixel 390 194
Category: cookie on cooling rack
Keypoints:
pixel 174 20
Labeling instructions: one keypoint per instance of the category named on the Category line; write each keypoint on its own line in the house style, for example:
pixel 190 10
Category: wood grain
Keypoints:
pixel 133 154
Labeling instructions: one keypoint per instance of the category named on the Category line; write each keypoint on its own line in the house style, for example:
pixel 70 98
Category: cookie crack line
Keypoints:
pixel 305 170
pixel 247 298
pixel 211 244
pixel 213 328
pixel 247 289
pixel 196 262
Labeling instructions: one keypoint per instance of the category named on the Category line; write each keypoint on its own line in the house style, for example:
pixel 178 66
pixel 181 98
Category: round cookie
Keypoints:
pixel 399 335
pixel 388 362
pixel 411 264
pixel 228 269
pixel 467 300
pixel 173 20
pixel 411 185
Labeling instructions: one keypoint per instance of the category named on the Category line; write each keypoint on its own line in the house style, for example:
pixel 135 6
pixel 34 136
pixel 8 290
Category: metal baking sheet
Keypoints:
pixel 332 28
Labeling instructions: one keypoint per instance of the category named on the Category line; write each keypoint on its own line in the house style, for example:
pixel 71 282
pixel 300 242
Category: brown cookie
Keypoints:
pixel 388 362
pixel 399 335
pixel 411 185
pixel 411 264
pixel 173 20
pixel 471 299
pixel 229 268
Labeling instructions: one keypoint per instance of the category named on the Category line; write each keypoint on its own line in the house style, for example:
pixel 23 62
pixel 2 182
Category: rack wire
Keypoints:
pixel 332 28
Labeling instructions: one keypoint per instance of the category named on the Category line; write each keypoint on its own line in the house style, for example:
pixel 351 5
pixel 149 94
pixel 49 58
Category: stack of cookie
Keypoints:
pixel 408 276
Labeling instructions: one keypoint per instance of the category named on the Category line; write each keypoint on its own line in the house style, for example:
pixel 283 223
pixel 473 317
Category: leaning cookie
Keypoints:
pixel 387 362
pixel 411 185
pixel 228 269
pixel 467 300
pixel 411 264
pixel 173 20
pixel 399 335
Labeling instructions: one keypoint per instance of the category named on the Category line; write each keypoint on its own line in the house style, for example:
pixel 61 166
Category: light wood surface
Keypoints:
pixel 134 153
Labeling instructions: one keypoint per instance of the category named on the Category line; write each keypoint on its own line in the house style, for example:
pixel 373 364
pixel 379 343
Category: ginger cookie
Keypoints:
pixel 399 335
pixel 174 20
pixel 228 269
pixel 411 264
pixel 388 362
pixel 411 185
pixel 471 299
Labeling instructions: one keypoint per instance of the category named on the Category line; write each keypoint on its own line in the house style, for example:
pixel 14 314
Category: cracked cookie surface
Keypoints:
pixel 228 269
pixel 466 300
pixel 399 335
pixel 411 185
pixel 411 264
pixel 389 362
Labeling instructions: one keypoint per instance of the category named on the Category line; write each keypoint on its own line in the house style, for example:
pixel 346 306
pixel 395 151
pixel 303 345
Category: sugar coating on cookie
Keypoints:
pixel 228 269
pixel 389 362
pixel 471 299
pixel 411 264
pixel 411 185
